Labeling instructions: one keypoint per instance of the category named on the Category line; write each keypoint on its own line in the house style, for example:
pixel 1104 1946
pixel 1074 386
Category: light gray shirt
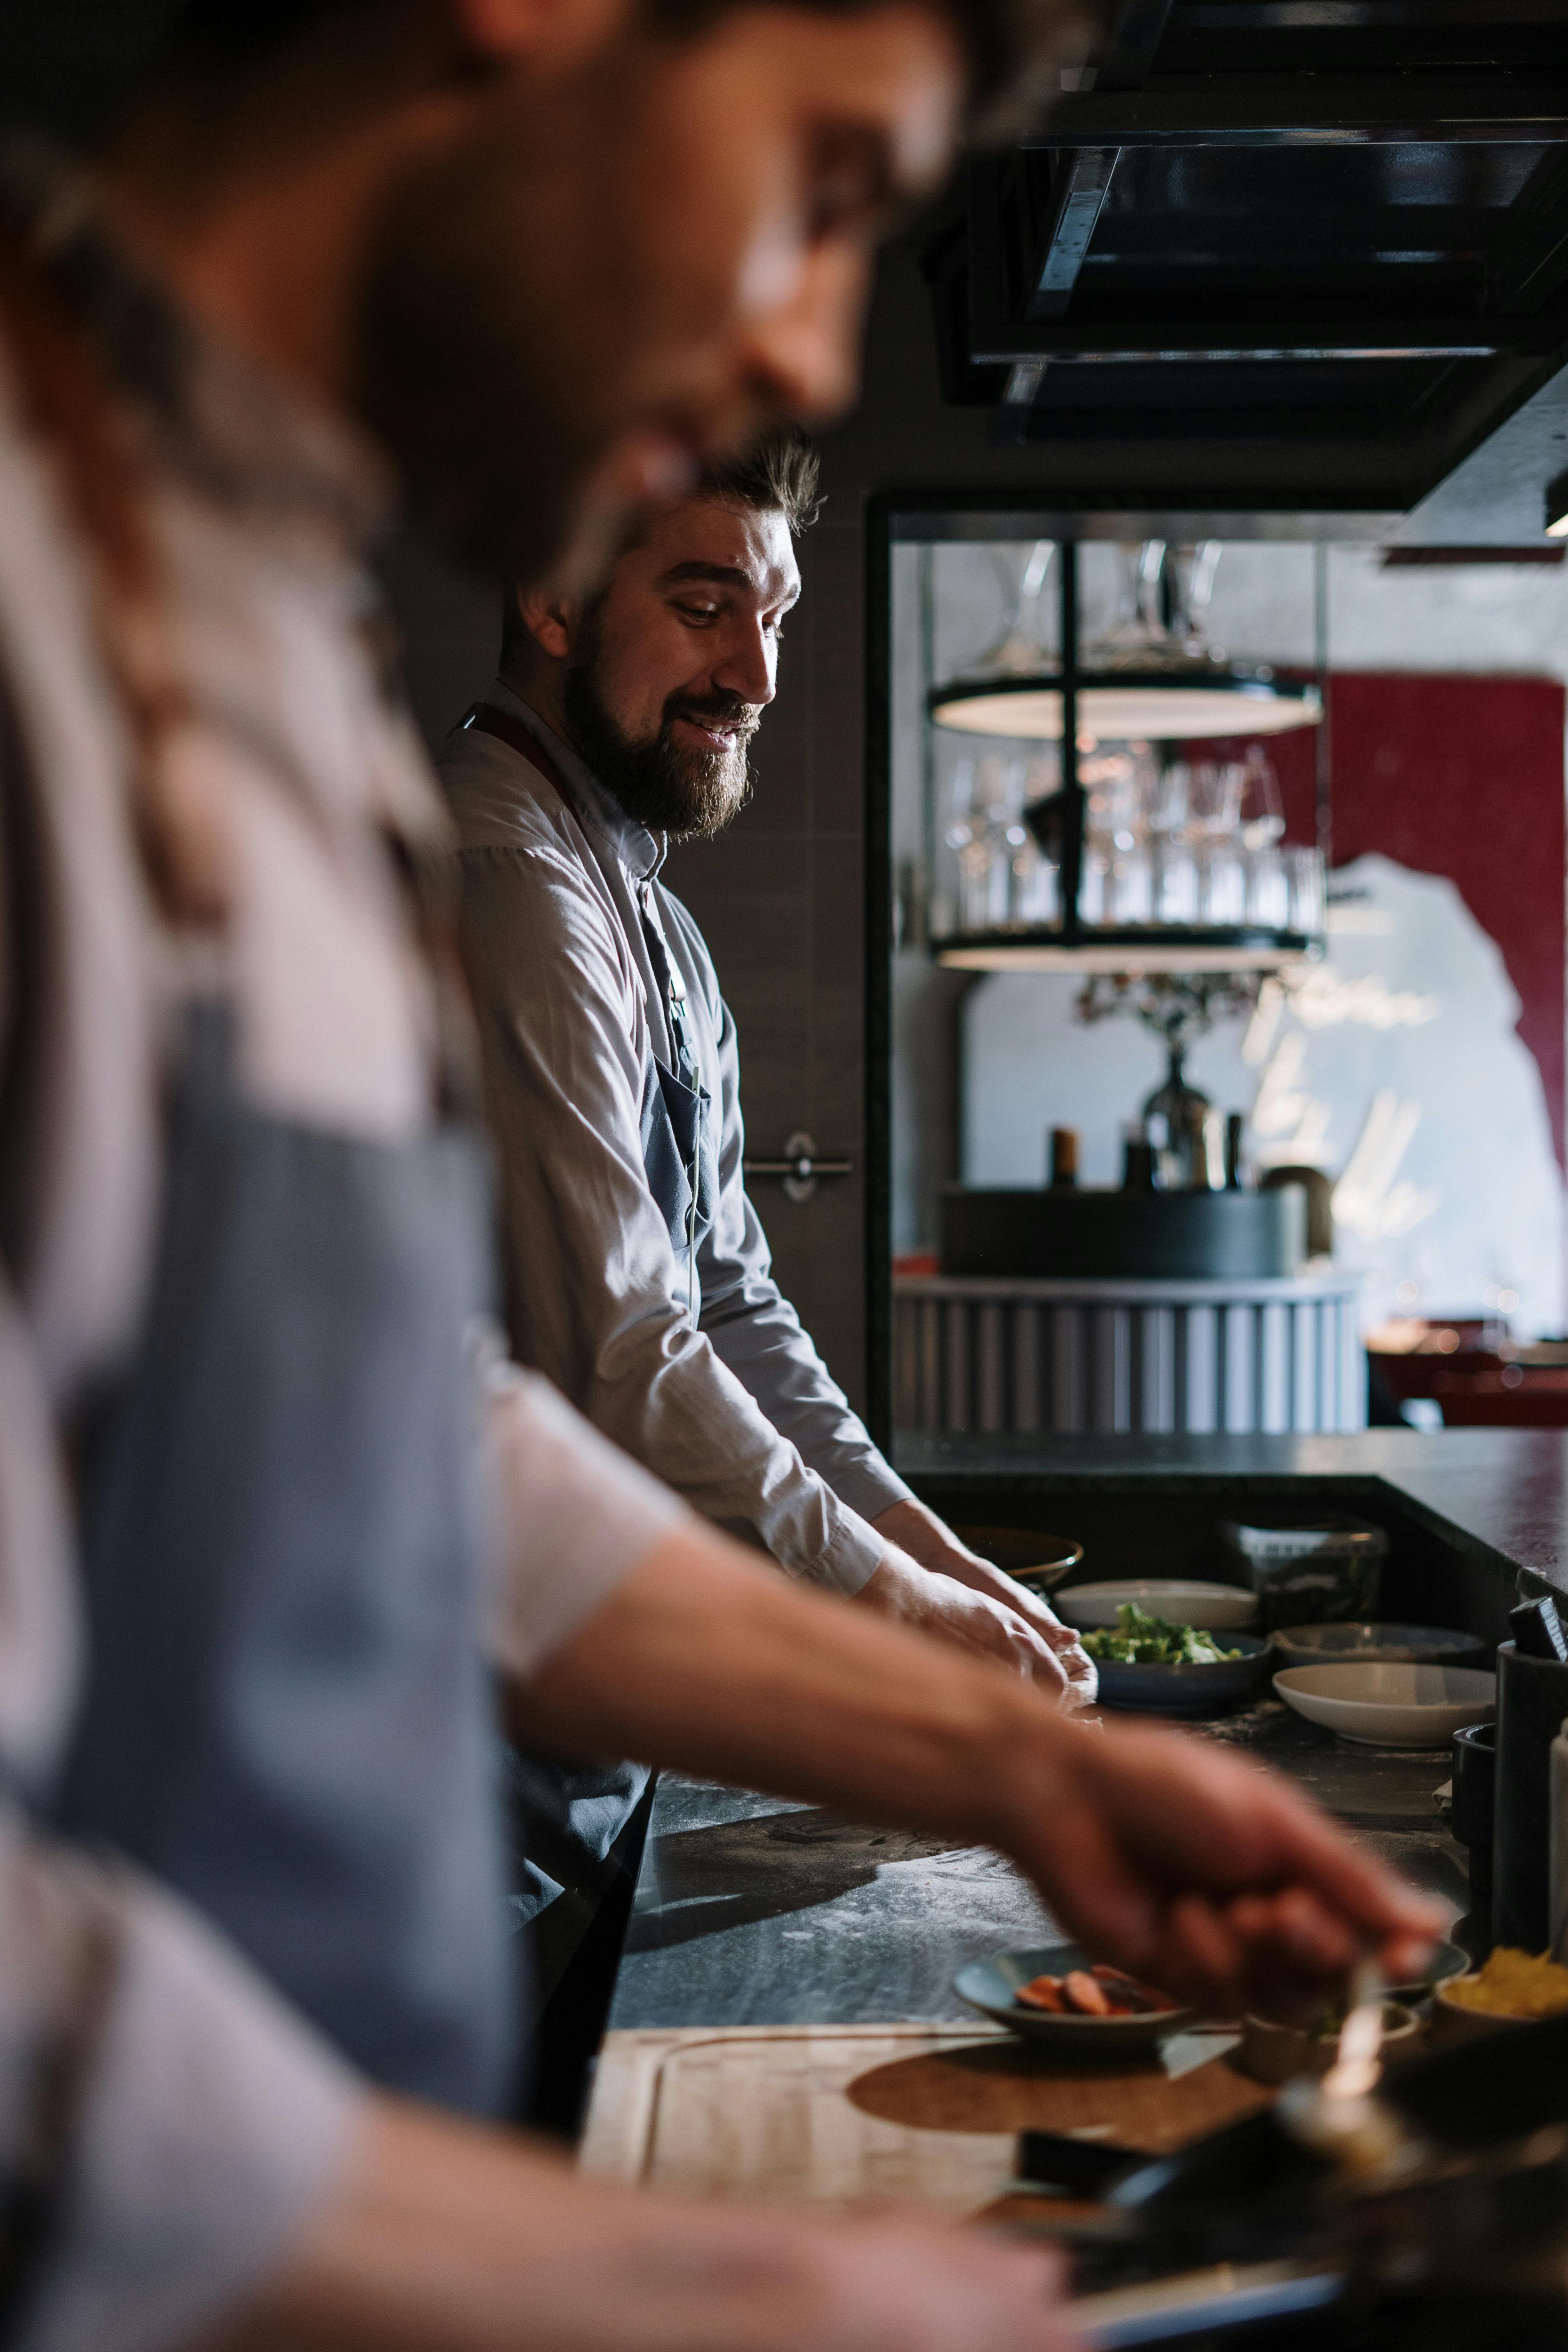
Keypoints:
pixel 740 1415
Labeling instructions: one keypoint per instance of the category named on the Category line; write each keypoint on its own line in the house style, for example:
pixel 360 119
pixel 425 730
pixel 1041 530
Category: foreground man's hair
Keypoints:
pixel 1006 42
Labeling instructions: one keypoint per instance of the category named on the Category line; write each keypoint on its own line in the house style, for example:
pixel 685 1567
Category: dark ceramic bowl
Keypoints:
pixel 1187 1690
pixel 1040 1561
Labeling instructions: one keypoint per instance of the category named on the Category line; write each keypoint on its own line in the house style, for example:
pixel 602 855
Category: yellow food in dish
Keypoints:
pixel 1514 1984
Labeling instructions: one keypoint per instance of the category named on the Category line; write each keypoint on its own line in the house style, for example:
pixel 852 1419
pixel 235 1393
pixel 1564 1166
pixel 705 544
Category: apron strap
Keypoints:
pixel 488 719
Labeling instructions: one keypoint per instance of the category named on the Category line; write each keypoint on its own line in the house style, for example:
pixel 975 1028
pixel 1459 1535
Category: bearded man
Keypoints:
pixel 638 1274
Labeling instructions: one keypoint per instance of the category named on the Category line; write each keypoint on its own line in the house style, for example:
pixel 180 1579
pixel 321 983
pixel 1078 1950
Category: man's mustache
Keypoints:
pixel 717 711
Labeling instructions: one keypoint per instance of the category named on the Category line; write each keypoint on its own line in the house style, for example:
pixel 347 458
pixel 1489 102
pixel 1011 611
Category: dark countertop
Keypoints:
pixel 751 1911
pixel 1500 1496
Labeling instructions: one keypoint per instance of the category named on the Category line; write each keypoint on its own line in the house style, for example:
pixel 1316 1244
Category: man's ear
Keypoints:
pixel 551 620
pixel 538 36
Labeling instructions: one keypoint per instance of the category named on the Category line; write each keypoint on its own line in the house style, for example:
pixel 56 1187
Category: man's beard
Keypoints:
pixel 689 795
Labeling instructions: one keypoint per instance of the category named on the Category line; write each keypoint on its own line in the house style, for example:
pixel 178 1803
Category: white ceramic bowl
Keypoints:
pixel 1212 1608
pixel 1389 1705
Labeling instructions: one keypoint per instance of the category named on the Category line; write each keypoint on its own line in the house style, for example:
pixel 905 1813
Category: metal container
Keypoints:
pixel 1532 1700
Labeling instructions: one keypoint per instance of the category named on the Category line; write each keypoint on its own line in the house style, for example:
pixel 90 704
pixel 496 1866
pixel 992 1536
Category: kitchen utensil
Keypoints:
pixel 1417 1646
pixel 1187 1690
pixel 1388 1706
pixel 1040 1561
pixel 989 1986
pixel 1473 1822
pixel 1212 1608
pixel 1315 1572
pixel 1197 2306
pixel 1531 1701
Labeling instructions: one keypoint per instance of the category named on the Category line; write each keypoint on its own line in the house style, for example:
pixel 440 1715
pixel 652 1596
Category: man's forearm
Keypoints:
pixel 703 1661
pixel 453 2238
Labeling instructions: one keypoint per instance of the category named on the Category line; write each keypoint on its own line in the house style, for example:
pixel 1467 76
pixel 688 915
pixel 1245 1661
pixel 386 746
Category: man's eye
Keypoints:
pixel 698 613
pixel 849 183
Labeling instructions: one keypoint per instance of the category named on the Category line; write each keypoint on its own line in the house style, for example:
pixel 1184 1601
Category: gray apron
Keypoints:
pixel 567 1817
pixel 288 1717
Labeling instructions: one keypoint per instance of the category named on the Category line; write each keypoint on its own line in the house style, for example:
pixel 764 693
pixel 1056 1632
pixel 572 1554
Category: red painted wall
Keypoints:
pixel 1461 776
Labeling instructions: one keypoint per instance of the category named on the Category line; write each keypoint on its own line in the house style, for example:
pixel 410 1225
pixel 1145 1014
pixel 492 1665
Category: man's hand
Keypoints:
pixel 1179 1860
pixel 445 2238
pixel 922 1535
pixel 914 1596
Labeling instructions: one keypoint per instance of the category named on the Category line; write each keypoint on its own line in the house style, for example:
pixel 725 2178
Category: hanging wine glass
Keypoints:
pixel 1019 650
pixel 1261 811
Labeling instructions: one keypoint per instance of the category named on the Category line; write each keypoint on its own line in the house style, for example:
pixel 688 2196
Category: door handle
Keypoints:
pixel 800 1167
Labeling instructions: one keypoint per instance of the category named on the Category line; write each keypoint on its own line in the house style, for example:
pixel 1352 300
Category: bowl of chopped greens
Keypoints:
pixel 1160 1667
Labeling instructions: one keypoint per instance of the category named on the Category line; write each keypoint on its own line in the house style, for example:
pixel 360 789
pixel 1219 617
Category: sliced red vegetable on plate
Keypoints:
pixel 1085 1994
pixel 1042 1992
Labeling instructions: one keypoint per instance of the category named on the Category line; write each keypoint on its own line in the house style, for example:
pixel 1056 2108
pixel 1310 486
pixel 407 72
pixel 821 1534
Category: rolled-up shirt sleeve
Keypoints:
pixel 753 1327
pixel 214 2124
pixel 571 1515
pixel 595 1297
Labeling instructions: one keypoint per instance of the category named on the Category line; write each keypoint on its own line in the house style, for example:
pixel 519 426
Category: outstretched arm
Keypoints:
pixel 1161 1852
pixel 449 2239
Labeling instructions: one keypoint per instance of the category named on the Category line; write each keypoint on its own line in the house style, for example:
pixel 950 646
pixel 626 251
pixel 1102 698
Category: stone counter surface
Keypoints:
pixel 1500 1496
pixel 752 1911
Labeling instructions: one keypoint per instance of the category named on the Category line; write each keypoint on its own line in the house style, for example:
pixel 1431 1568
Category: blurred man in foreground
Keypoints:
pixel 243 1226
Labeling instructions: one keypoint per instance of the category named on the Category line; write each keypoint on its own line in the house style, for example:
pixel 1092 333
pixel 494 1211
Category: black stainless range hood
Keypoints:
pixel 1286 224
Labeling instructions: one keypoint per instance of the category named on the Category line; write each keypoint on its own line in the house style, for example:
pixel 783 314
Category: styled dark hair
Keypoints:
pixel 777 476
pixel 1006 42
pixel 779 473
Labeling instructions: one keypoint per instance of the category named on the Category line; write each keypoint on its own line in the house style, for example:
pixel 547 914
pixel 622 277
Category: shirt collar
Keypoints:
pixel 212 415
pixel 642 853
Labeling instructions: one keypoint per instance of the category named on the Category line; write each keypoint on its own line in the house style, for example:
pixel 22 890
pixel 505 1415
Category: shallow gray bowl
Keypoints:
pixel 989 1986
pixel 1187 1690
pixel 1413 1645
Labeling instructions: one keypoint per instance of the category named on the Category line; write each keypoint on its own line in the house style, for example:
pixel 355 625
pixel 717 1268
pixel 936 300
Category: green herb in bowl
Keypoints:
pixel 1141 1639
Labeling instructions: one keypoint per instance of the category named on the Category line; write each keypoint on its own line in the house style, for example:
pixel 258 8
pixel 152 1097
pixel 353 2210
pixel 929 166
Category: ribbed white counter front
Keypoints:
pixel 1076 1356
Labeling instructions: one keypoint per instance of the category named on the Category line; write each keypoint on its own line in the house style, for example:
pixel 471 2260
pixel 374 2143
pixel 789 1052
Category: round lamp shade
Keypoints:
pixel 1124 709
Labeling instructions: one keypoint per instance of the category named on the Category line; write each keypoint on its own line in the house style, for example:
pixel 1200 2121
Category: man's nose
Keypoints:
pixel 803 356
pixel 747 665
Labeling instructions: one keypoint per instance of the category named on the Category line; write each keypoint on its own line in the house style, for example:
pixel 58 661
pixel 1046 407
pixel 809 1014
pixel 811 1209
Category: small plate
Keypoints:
pixel 1038 1561
pixel 1185 1690
pixel 1388 1706
pixel 1340 1645
pixel 989 1986
pixel 1210 1607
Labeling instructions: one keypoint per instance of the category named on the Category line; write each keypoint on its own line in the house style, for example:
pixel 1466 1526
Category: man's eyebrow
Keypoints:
pixel 724 575
pixel 721 575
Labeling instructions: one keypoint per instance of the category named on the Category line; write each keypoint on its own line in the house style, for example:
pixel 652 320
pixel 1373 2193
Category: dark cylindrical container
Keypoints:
pixel 1064 1159
pixel 1473 1822
pixel 1531 1701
